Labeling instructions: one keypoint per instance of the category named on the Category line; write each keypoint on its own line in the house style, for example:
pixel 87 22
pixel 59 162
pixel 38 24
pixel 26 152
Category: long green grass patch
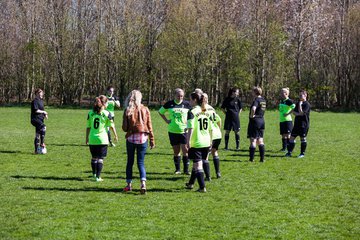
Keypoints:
pixel 52 196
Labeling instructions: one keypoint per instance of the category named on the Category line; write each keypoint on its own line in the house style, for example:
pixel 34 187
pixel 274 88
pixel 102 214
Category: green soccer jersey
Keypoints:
pixel 111 104
pixel 285 107
pixel 177 114
pixel 98 124
pixel 201 125
pixel 215 119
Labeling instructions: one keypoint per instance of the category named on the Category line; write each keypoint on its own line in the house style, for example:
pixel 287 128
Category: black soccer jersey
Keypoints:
pixel 304 120
pixel 260 105
pixel 37 104
pixel 232 106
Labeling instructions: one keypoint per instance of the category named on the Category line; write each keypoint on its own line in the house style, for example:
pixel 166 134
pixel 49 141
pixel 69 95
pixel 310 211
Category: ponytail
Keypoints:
pixel 199 98
pixel 99 104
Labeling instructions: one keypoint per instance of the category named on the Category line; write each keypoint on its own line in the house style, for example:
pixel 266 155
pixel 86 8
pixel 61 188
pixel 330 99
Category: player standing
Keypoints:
pixel 232 107
pixel 198 139
pixel 98 121
pixel 256 125
pixel 177 109
pixel 37 120
pixel 112 102
pixel 285 108
pixel 301 124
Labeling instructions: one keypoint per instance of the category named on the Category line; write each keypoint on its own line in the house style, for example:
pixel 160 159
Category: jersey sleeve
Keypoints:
pixel 240 104
pixel 165 108
pixel 190 120
pixel 306 107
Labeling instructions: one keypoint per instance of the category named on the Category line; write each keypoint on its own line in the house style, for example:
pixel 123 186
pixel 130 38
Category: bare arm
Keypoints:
pixel 252 112
pixel 188 137
pixel 87 136
pixel 164 117
pixel 113 129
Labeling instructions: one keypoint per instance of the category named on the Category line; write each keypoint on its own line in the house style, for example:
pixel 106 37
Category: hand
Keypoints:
pixel 116 138
pixel 168 121
pixel 46 115
pixel 152 145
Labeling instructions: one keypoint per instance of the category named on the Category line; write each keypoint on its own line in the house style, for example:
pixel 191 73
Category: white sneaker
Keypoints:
pixel 301 156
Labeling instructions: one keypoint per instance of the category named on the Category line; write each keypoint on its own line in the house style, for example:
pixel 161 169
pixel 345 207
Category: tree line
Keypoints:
pixel 74 49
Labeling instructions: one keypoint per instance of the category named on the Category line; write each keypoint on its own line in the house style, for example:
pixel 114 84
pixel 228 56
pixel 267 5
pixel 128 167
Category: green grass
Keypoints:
pixel 52 197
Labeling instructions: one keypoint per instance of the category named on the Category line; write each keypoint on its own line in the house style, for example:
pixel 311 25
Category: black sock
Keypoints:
pixel 36 143
pixel 262 152
pixel 192 177
pixel 93 166
pixel 284 143
pixel 206 167
pixel 177 160
pixel 186 163
pixel 217 164
pixel 226 141
pixel 99 167
pixel 200 178
pixel 237 138
pixel 290 146
pixel 303 147
pixel 251 153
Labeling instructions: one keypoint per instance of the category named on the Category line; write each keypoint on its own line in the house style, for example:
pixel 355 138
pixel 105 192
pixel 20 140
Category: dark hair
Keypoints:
pixel 99 103
pixel 304 91
pixel 109 87
pixel 232 90
pixel 38 90
pixel 199 98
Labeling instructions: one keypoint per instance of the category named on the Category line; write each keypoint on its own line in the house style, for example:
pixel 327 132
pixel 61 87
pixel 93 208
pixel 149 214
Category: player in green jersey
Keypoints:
pixel 98 121
pixel 198 139
pixel 286 106
pixel 112 102
pixel 177 110
pixel 216 140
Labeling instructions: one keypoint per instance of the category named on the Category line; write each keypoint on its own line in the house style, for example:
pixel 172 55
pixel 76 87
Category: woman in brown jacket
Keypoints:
pixel 138 128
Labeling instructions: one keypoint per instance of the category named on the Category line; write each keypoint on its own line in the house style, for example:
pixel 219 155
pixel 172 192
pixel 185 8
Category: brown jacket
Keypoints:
pixel 132 124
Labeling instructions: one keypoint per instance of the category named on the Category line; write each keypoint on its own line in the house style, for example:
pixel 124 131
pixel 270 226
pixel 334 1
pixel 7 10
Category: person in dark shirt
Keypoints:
pixel 301 124
pixel 37 120
pixel 232 107
pixel 256 125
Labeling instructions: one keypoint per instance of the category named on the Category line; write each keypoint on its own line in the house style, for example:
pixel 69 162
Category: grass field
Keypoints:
pixel 52 197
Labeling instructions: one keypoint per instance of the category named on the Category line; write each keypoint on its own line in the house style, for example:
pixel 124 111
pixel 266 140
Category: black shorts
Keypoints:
pixel 38 124
pixel 232 123
pixel 98 151
pixel 216 143
pixel 198 154
pixel 286 127
pixel 299 131
pixel 256 128
pixel 177 138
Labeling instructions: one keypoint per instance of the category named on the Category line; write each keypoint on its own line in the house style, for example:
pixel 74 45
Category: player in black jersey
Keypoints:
pixel 301 124
pixel 232 107
pixel 37 120
pixel 257 124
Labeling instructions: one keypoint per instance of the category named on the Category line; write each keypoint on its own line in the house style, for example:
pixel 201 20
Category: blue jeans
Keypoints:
pixel 141 150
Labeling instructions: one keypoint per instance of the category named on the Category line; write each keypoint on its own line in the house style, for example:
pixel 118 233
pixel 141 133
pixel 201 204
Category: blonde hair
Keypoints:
pixel 205 98
pixel 132 102
pixel 178 90
pixel 286 89
pixel 257 90
pixel 198 90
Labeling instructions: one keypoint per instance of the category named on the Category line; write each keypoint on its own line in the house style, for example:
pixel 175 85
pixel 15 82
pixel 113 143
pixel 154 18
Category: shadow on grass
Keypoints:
pixel 67 145
pixel 50 178
pixel 16 152
pixel 247 155
pixel 97 189
pixel 159 153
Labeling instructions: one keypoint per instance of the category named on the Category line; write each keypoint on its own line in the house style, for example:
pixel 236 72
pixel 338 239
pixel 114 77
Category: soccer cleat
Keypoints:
pixel 226 149
pixel 288 154
pixel 112 144
pixel 127 189
pixel 251 160
pixel 301 156
pixel 208 179
pixel 262 160
pixel 177 172
pixel 283 150
pixel 99 179
pixel 218 175
pixel 189 186
pixel 201 190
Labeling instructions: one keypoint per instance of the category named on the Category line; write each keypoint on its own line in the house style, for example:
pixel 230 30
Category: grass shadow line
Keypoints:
pixel 67 144
pixel 49 178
